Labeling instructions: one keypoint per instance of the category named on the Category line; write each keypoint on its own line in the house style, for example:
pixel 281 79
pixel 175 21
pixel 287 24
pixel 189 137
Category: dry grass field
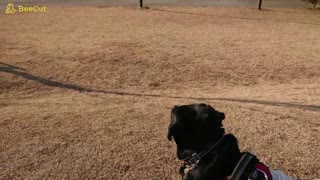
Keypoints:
pixel 86 92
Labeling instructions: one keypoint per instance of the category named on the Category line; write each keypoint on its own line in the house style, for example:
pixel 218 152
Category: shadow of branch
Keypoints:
pixel 6 68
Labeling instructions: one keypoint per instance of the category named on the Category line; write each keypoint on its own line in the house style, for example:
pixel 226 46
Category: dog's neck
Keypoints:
pixel 219 163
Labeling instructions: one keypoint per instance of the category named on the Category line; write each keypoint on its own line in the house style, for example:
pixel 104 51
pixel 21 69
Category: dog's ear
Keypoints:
pixel 173 121
pixel 170 129
pixel 169 136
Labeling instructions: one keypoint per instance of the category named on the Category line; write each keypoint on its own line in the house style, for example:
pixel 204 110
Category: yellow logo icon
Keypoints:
pixel 10 8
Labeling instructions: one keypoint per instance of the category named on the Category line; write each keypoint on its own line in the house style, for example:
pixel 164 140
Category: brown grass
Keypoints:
pixel 92 88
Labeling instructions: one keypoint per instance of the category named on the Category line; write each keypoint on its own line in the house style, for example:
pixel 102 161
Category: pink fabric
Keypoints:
pixel 265 169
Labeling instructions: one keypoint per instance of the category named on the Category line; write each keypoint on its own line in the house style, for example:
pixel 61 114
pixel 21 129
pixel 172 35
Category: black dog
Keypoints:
pixel 207 153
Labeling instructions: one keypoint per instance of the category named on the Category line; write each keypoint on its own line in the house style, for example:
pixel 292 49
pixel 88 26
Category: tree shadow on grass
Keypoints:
pixel 7 68
pixel 20 72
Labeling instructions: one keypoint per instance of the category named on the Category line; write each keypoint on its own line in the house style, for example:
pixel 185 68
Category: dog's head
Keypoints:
pixel 193 127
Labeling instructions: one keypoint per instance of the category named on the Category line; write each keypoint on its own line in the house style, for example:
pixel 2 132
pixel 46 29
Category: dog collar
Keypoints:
pixel 192 162
pixel 195 158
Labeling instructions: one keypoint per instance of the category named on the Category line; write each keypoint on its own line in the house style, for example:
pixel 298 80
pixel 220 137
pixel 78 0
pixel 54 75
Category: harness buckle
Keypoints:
pixel 192 163
pixel 195 158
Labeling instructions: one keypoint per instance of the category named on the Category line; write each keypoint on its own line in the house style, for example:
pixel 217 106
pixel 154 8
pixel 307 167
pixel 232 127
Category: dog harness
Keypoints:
pixel 249 167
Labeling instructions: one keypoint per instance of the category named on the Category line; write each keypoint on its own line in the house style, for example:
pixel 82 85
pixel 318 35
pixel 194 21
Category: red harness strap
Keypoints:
pixel 263 168
pixel 259 167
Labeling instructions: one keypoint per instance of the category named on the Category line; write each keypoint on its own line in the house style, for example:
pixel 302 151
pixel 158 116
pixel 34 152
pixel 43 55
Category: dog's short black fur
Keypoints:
pixel 196 127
